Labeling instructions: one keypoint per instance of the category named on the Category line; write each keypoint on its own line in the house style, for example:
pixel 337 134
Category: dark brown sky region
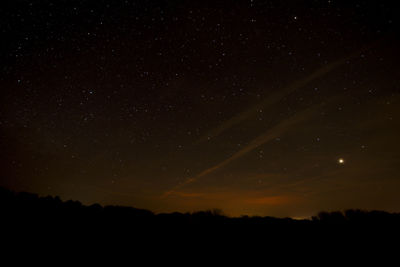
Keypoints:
pixel 279 108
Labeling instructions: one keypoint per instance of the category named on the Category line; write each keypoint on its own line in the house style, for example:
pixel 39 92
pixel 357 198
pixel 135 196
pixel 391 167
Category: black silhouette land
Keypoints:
pixel 30 210
pixel 33 223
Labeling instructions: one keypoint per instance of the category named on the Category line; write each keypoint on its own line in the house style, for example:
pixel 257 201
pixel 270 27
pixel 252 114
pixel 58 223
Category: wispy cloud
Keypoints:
pixel 278 130
pixel 272 99
pixel 185 194
pixel 269 200
pixel 234 201
pixel 271 134
pixel 275 98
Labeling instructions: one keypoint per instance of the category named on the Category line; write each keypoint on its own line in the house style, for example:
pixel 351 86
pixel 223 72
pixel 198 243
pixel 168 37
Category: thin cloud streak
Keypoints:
pixel 275 98
pixel 276 131
pixel 271 134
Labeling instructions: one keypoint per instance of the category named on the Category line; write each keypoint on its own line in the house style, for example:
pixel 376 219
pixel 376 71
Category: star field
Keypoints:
pixel 252 107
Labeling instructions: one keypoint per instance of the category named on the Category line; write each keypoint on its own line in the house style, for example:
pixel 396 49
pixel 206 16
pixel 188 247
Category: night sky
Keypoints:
pixel 280 108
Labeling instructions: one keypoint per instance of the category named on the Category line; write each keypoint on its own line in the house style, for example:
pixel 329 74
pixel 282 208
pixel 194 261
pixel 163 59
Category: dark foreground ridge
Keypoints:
pixel 25 215
pixel 30 206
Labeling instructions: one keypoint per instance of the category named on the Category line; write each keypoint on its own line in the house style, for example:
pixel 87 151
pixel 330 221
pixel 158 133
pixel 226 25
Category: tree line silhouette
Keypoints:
pixel 23 205
pixel 27 219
